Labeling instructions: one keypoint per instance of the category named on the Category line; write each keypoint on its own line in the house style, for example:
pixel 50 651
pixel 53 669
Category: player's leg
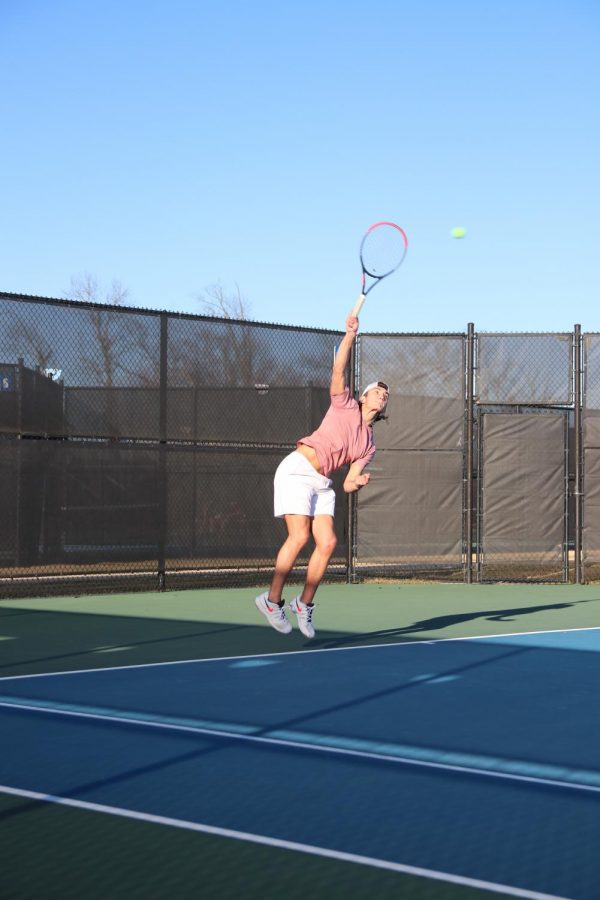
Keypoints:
pixel 270 604
pixel 298 534
pixel 325 543
pixel 296 486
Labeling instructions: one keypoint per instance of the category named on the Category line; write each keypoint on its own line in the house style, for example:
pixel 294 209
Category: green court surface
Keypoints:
pixel 65 633
pixel 57 853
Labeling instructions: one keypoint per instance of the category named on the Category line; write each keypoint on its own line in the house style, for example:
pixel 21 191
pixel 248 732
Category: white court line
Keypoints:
pixel 305 652
pixel 507 769
pixel 309 849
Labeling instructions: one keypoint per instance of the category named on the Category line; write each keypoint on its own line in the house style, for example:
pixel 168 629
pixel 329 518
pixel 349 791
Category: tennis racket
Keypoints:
pixel 382 251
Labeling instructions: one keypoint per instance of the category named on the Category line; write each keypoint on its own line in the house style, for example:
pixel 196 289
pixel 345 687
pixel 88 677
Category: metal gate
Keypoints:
pixel 522 498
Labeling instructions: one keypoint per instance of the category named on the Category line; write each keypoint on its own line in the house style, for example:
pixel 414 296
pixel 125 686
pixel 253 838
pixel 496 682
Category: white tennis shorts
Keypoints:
pixel 301 490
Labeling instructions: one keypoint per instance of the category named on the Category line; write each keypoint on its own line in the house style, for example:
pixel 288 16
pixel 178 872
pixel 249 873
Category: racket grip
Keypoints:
pixel 358 305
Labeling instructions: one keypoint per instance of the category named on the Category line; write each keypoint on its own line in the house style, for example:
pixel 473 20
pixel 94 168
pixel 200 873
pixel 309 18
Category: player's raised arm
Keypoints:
pixel 340 363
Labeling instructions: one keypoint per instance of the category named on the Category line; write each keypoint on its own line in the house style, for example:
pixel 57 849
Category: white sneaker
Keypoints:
pixel 275 614
pixel 304 616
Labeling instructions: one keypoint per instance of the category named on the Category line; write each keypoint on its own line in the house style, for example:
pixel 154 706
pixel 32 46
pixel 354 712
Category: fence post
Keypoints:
pixel 162 452
pixel 577 493
pixel 469 452
pixel 19 513
pixel 351 511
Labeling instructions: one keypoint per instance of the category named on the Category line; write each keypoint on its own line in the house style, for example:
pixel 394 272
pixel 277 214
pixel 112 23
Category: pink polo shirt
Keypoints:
pixel 342 437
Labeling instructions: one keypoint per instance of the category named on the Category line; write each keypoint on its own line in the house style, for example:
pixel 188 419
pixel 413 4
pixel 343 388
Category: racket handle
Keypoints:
pixel 358 305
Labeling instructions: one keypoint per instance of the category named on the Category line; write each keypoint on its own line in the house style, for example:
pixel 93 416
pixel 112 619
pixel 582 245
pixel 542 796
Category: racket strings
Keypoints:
pixel 382 250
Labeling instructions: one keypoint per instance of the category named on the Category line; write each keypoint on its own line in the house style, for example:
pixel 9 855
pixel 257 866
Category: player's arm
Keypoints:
pixel 356 478
pixel 340 363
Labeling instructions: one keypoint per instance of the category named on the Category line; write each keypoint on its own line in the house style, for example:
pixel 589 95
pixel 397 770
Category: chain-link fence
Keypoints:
pixel 525 389
pixel 137 449
pixel 410 521
pixel 591 457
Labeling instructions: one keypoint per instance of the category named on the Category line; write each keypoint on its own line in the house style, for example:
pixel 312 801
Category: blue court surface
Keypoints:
pixel 471 763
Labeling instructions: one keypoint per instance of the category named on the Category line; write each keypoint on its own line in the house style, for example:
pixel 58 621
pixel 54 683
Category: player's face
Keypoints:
pixel 377 397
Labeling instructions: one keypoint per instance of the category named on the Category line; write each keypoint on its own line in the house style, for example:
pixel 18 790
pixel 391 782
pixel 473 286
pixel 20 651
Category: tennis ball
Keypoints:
pixel 458 232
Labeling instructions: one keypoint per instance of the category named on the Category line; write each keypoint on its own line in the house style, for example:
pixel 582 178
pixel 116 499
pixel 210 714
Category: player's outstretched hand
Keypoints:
pixel 352 324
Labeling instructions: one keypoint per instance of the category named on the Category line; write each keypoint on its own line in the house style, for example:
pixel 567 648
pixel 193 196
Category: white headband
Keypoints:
pixel 374 384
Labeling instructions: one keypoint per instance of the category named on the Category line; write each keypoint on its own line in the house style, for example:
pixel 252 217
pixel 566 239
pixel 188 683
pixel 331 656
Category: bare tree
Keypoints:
pixel 32 342
pixel 246 355
pixel 138 360
pixel 86 288
pixel 229 353
pixel 216 300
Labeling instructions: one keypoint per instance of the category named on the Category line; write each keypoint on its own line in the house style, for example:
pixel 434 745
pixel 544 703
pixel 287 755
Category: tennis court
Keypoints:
pixel 432 741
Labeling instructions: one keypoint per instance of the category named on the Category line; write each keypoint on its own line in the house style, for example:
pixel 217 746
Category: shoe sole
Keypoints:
pixel 271 621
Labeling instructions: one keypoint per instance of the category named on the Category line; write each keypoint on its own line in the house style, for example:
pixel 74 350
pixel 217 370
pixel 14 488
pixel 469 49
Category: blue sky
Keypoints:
pixel 176 145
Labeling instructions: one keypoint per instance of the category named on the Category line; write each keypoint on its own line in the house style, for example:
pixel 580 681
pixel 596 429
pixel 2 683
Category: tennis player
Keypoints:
pixel 303 493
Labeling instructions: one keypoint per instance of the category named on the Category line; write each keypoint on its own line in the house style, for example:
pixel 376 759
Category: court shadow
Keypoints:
pixel 439 623
pixel 38 642
pixel 45 642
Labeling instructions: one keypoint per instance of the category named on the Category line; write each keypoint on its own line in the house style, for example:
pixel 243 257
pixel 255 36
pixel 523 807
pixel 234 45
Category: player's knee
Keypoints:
pixel 299 539
pixel 327 544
